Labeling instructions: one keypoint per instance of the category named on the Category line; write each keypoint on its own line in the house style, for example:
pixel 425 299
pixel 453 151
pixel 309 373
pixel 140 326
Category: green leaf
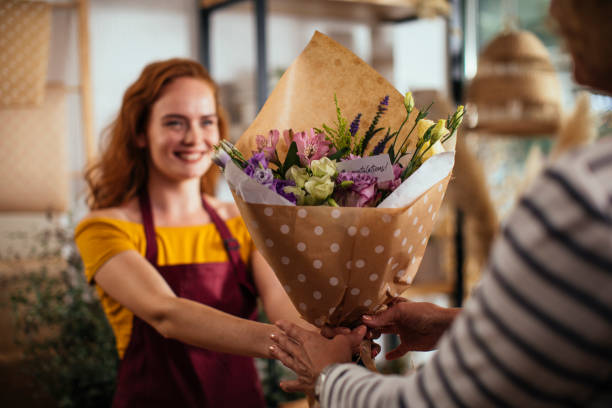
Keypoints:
pixel 391 153
pixel 366 140
pixel 291 159
pixel 339 154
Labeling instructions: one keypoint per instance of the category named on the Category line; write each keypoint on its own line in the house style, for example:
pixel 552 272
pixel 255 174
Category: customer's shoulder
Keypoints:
pixel 585 174
pixel 596 156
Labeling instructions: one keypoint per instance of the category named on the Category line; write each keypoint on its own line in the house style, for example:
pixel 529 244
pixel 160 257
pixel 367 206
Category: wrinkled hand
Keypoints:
pixel 307 353
pixel 331 332
pixel 419 325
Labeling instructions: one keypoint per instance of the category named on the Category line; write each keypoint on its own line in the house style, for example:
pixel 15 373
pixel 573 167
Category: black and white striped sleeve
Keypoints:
pixel 538 330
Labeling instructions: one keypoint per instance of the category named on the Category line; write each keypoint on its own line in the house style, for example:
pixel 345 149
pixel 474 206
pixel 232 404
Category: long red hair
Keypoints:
pixel 120 172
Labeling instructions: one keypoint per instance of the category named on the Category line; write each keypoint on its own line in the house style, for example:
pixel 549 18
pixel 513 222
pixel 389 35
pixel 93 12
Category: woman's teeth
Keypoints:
pixel 189 156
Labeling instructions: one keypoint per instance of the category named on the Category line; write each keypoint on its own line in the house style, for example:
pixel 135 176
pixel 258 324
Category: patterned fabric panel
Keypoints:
pixel 33 157
pixel 25 29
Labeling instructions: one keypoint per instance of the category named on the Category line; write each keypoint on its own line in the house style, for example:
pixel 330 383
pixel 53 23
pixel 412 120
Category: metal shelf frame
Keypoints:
pixel 260 7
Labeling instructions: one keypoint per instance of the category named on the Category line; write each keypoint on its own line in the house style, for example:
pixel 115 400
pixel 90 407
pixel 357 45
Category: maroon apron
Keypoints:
pixel 160 372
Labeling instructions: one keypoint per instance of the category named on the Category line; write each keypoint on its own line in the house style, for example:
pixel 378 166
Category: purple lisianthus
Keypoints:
pixel 392 184
pixel 263 176
pixel 278 185
pixel 220 158
pixel 360 193
pixel 351 156
pixel 258 161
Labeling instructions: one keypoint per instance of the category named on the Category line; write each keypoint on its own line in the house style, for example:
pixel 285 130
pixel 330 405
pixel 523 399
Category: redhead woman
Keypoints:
pixel 177 273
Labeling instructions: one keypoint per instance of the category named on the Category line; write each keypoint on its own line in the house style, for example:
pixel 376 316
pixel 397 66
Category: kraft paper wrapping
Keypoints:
pixel 337 263
pixel 304 96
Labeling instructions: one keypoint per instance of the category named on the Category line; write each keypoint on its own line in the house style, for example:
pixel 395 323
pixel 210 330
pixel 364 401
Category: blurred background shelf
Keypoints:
pixel 353 10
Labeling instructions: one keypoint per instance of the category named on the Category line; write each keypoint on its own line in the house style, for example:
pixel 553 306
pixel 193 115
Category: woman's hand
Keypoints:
pixel 419 325
pixel 307 353
pixel 331 332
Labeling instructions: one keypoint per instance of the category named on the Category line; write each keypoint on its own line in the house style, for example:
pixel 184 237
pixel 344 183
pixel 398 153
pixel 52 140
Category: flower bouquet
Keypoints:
pixel 342 211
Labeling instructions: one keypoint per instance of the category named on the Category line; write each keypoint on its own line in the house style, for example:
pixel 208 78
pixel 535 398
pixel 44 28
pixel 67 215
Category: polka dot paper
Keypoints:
pixel 338 263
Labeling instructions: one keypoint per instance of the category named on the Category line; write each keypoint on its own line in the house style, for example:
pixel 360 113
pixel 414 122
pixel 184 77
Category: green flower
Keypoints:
pixel 323 167
pixel 298 192
pixel 297 174
pixel 319 188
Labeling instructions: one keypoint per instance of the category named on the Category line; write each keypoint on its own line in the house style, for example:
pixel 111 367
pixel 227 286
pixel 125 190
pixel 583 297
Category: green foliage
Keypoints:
pixel 341 136
pixel 292 159
pixel 67 343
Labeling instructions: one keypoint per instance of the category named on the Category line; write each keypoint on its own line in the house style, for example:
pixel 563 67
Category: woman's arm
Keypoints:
pixel 133 282
pixel 276 303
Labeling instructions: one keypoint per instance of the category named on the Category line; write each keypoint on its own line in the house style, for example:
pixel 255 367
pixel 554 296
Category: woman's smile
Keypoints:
pixel 190 156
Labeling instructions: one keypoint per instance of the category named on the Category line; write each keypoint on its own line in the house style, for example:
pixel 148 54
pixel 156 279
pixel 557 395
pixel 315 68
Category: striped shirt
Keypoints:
pixel 538 330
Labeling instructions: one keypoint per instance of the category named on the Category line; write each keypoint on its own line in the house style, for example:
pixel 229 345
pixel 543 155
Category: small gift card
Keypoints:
pixel 378 166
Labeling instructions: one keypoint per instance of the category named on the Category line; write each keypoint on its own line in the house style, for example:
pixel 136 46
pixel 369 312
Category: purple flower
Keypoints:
pixel 384 102
pixel 220 158
pixel 355 125
pixel 361 193
pixel 278 185
pixel 258 161
pixel 311 146
pixel 351 156
pixel 263 176
pixel 267 145
pixel 392 184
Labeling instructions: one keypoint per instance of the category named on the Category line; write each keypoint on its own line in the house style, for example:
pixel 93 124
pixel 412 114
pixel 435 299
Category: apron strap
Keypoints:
pixel 232 246
pixel 149 226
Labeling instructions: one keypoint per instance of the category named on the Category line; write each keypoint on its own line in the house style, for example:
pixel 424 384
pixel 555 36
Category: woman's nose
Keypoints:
pixel 193 135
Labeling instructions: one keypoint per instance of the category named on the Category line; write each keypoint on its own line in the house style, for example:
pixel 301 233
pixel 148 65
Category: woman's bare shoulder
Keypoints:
pixel 125 212
pixel 226 210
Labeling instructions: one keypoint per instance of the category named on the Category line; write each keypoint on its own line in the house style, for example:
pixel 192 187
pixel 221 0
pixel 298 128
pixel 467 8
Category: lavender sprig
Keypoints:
pixel 355 125
pixel 372 130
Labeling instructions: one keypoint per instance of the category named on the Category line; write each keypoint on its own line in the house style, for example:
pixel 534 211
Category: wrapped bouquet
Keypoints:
pixel 341 210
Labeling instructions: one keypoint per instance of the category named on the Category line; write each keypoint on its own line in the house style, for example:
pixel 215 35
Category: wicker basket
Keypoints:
pixel 515 91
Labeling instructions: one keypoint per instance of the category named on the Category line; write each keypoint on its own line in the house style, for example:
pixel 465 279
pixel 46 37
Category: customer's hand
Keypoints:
pixel 419 325
pixel 331 332
pixel 308 353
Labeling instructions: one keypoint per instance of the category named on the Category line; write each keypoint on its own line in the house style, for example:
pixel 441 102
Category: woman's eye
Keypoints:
pixel 209 122
pixel 174 124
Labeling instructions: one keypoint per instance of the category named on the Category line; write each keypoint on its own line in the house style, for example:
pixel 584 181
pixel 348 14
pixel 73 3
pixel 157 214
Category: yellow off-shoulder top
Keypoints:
pixel 99 239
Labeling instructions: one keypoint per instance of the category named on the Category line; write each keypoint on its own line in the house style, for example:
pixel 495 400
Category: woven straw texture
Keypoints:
pixel 25 29
pixel 516 90
pixel 33 158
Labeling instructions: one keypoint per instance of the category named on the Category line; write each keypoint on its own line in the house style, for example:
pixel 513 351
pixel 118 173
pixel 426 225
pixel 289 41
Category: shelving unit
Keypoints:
pixel 364 11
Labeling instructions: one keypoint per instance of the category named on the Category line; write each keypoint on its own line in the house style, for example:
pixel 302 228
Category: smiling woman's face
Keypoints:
pixel 182 129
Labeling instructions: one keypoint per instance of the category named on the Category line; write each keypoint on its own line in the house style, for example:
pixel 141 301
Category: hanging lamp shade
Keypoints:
pixel 515 90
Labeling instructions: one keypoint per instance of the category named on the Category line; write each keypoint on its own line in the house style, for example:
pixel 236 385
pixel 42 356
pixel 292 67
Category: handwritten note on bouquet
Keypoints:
pixel 378 166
